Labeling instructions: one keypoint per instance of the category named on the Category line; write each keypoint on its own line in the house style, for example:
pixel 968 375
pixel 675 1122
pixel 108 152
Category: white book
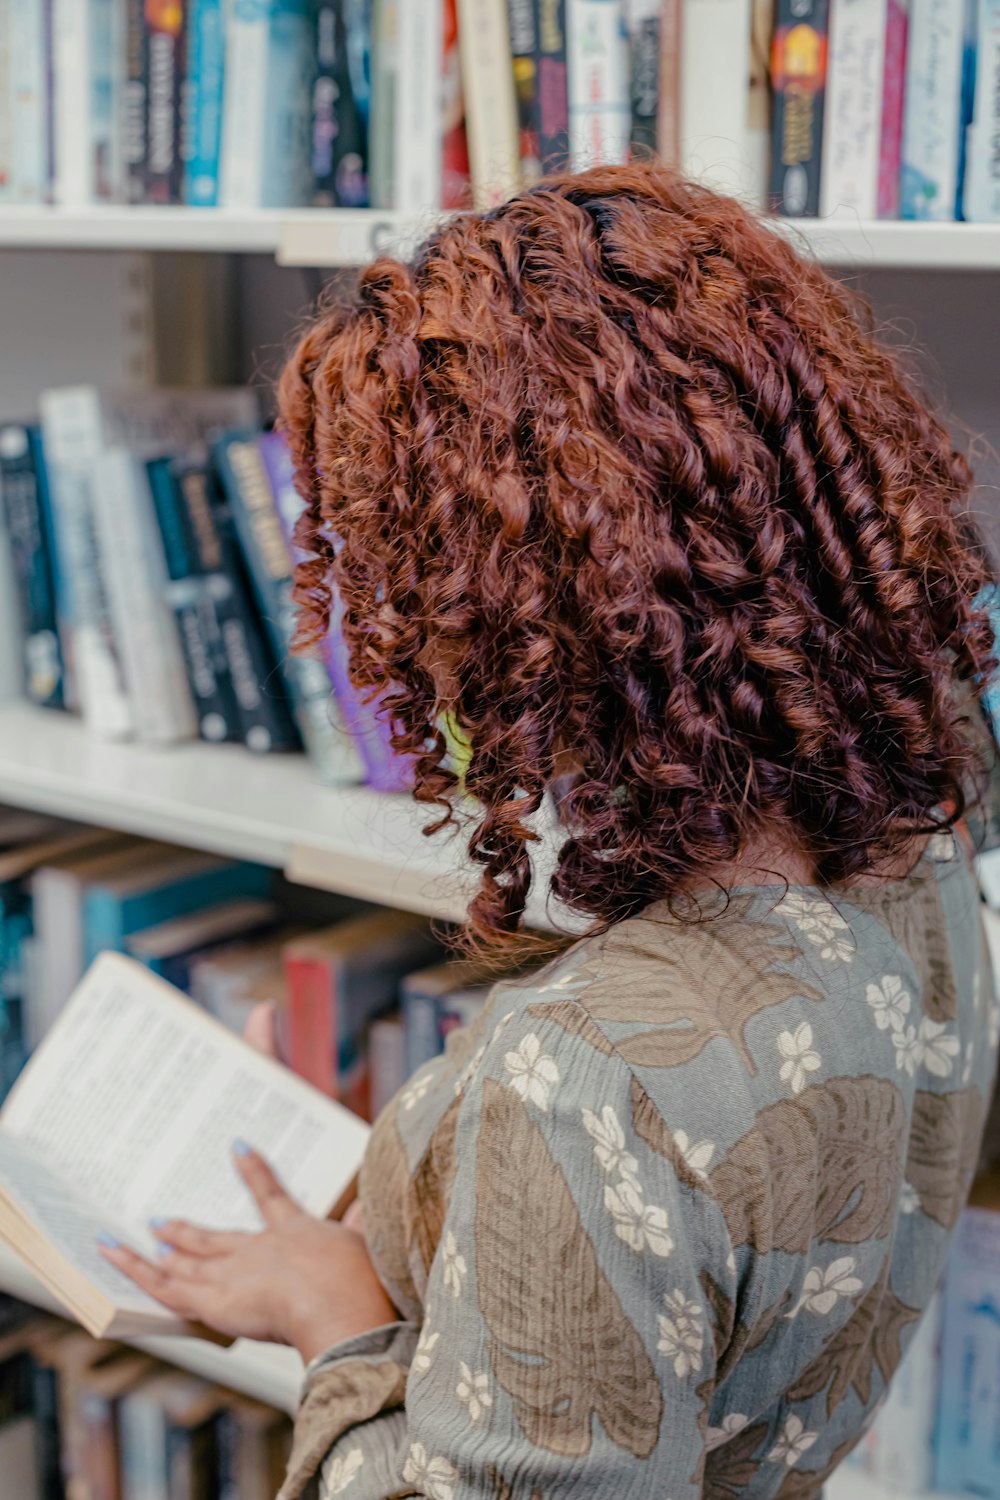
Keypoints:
pixel 982 163
pixel 853 111
pixel 715 89
pixel 932 119
pixel 87 76
pixel 116 1120
pixel 134 567
pixel 6 104
pixel 29 163
pixel 490 105
pixel 418 113
pixel 597 70
pixel 264 159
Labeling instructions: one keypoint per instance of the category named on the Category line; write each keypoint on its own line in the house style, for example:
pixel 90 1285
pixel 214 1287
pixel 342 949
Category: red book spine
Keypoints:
pixel 893 100
pixel 456 182
pixel 311 1009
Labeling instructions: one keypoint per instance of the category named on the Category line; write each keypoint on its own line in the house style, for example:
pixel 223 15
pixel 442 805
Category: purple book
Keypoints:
pixel 385 769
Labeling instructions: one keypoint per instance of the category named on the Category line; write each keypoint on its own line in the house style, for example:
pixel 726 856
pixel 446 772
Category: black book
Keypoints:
pixel 552 84
pixel 799 82
pixel 340 103
pixel 29 523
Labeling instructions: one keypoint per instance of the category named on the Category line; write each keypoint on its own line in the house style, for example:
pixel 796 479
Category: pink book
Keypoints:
pixel 893 100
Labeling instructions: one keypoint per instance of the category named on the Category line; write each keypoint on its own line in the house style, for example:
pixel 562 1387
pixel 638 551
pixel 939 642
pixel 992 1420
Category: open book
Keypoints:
pixel 128 1111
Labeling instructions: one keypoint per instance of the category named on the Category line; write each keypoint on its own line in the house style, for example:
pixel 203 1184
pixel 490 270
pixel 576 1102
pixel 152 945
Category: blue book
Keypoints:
pixel 173 884
pixel 266 159
pixel 24 486
pixel 206 68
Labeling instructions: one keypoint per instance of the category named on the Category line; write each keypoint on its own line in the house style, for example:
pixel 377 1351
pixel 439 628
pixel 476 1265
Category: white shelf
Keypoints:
pixel 223 799
pixel 271 1372
pixel 349 237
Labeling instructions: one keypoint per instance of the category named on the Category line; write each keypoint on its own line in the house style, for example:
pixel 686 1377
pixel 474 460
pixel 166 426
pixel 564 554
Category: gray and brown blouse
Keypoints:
pixel 662 1223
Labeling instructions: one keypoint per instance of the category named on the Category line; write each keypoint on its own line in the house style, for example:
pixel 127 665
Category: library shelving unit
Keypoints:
pixel 221 798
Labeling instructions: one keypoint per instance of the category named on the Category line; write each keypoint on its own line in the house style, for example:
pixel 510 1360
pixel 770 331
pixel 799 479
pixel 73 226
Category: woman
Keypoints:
pixel 628 489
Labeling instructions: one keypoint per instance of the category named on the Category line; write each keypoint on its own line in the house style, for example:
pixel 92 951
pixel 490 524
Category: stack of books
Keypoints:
pixel 875 108
pixel 151 536
pixel 90 1417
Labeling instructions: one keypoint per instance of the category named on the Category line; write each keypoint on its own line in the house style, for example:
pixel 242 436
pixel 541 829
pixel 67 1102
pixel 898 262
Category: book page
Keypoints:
pixel 136 1097
pixel 68 1222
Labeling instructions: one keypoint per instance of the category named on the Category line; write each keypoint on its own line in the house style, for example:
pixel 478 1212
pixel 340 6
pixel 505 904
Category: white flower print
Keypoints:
pixel 425 1345
pixel 820 923
pixel 416 1090
pixel 800 1056
pixel 717 1437
pixel 698 1156
pixel 970 1057
pixel 909 1050
pixel 681 1334
pixel 890 1002
pixel 609 1145
pixel 793 1442
pixel 533 1072
pixel 941 846
pixel 823 1288
pixel 454 1264
pixel 435 1476
pixel 939 1047
pixel 568 983
pixel 908 1200
pixel 340 1471
pixel 469 1071
pixel 473 1391
pixel 639 1224
pixel 731 1262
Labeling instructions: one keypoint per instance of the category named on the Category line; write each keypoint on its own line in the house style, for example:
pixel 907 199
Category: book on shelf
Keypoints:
pixel 935 116
pixel 852 139
pixel 714 92
pixel 169 1437
pixel 254 1445
pixel 170 948
pixel 981 196
pixel 798 78
pixel 553 84
pixel 83 1149
pixel 267 105
pixel 166 37
pixel 437 999
pixel 456 178
pixel 24 490
pixel 341 102
pixel 201 102
pixel 597 78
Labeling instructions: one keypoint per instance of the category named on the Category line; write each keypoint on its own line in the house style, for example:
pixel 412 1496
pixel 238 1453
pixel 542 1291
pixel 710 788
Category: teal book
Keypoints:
pixel 178 883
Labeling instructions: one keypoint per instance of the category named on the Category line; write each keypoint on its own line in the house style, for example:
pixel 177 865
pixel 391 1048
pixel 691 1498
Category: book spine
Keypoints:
pixel 553 84
pixel 798 75
pixel 323 726
pixel 715 72
pixel 7 69
pixel 418 144
pixel 668 113
pixel 523 50
pixel 598 84
pixel 422 1025
pixel 29 163
pixel 456 181
pixel 286 167
pixel 385 101
pixel 202 113
pixel 142 1438
pixel 311 1021
pixel 73 439
pixel 385 769
pixel 99 1426
pixel 107 82
pixel 387 1061
pixel 849 174
pixel 22 478
pixel 932 119
pixel 890 161
pixel 188 594
pixel 135 134
pixel 244 120
pixel 490 104
pixel 165 45
pixel 643 22
pixel 982 181
pixel 45 1404
pixel 108 919
pixel 71 65
pixel 132 562
pixel 340 103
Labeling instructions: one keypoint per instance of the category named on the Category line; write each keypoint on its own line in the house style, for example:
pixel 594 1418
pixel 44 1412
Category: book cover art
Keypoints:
pixel 553 84
pixel 798 76
pixel 643 22
pixel 523 49
pixel 341 103
pixel 600 116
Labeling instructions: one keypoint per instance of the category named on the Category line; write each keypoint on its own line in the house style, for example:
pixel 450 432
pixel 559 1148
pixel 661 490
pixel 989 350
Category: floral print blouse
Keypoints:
pixel 663 1221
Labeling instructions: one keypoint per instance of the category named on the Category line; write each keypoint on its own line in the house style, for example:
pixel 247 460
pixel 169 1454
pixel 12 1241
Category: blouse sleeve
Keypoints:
pixel 568 1344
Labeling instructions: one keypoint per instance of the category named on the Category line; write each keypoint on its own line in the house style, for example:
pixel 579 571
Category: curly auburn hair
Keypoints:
pixel 644 479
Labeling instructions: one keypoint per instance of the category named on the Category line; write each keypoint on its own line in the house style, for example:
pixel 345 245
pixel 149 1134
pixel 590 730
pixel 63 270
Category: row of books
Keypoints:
pixel 151 537
pixel 362 995
pixel 90 1419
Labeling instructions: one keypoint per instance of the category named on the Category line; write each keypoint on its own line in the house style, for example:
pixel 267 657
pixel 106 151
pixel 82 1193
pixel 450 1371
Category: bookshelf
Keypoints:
pixel 349 237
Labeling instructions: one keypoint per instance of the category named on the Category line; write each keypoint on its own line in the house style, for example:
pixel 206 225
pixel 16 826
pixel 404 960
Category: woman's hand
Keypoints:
pixel 302 1281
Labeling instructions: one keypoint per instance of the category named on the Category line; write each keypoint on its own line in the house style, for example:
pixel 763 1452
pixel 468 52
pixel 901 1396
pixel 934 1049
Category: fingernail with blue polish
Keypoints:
pixel 108 1241
pixel 164 1249
pixel 241 1148
pixel 158 1223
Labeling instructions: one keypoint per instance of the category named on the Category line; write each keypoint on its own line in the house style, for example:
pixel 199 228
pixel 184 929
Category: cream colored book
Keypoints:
pixel 127 1112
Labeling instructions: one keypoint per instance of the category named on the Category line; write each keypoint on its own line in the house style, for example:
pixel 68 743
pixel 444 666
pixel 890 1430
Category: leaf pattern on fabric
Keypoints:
pixel 731 1467
pixel 723 1312
pixel 870 1339
pixel 693 984
pixel 561 1345
pixel 918 925
pixel 650 1127
pixel 826 1164
pixel 944 1149
pixel 571 1017
pixel 429 1189
pixel 385 1184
